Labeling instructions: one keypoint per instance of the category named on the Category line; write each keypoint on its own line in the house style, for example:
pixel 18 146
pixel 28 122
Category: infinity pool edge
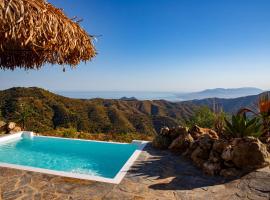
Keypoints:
pixel 116 180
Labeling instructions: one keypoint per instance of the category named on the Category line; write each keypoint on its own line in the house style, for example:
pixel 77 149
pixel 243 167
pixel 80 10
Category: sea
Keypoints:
pixel 169 96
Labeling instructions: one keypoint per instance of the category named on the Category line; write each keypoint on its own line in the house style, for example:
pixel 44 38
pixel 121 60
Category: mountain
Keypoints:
pixel 229 105
pixel 48 111
pixel 221 93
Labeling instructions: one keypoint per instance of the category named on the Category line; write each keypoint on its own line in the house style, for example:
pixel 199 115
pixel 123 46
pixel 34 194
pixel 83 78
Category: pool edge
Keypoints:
pixel 116 180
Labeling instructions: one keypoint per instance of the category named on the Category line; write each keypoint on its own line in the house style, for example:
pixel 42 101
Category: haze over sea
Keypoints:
pixel 140 95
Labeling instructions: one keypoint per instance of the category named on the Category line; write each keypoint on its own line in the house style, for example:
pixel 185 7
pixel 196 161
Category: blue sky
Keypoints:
pixel 163 45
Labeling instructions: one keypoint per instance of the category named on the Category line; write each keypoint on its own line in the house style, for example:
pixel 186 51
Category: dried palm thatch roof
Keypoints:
pixel 33 32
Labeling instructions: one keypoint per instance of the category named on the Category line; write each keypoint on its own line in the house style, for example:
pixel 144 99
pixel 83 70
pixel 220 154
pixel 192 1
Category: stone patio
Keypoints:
pixel 155 175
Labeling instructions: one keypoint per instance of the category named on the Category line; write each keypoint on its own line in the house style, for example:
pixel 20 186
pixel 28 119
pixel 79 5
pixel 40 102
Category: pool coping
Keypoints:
pixel 116 180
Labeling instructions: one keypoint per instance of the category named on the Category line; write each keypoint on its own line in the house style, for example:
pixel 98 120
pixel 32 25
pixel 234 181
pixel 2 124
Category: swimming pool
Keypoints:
pixel 92 160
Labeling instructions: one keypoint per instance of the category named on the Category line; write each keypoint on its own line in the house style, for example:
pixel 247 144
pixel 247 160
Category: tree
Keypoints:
pixel 203 117
pixel 24 115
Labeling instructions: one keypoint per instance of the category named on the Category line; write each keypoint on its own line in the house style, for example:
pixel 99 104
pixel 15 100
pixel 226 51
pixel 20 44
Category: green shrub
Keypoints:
pixel 241 126
pixel 202 117
pixel 69 133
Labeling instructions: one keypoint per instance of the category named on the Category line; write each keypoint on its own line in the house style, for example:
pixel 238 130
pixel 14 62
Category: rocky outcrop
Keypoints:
pixel 181 143
pixel 161 142
pixel 225 157
pixel 167 136
pixel 249 153
pixel 2 127
pixel 201 153
pixel 9 128
pixel 16 129
pixel 197 131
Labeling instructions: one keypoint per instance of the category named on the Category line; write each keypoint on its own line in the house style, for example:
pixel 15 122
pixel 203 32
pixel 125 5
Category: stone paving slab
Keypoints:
pixel 156 175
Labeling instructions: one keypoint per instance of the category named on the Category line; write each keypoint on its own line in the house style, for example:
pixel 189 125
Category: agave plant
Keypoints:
pixel 262 112
pixel 241 126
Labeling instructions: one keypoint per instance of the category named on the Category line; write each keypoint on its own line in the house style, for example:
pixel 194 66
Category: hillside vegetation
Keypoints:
pixel 42 111
pixel 39 110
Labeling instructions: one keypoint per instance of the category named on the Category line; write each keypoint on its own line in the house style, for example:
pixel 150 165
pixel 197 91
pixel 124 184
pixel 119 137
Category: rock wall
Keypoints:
pixel 215 155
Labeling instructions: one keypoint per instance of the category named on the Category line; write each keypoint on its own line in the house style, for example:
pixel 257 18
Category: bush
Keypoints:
pixel 241 126
pixel 202 117
pixel 69 133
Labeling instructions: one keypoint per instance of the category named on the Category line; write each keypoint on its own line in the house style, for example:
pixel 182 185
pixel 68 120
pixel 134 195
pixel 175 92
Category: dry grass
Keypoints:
pixel 33 32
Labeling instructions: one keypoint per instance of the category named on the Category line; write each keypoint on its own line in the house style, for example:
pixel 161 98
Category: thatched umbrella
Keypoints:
pixel 33 32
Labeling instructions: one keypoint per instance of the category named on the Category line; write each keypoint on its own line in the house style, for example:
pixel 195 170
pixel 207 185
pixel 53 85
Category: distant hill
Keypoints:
pixel 229 105
pixel 49 111
pixel 221 93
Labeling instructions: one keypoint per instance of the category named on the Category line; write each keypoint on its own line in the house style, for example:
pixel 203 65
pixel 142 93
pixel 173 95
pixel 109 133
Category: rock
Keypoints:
pixel 181 143
pixel 220 145
pixel 197 131
pixel 161 142
pixel 249 153
pixel 10 126
pixel 164 131
pixel 213 134
pixel 2 126
pixel 191 148
pixel 229 164
pixel 214 156
pixel 230 172
pixel 16 129
pixel 200 156
pixel 227 153
pixel 205 142
pixel 176 132
pixel 211 168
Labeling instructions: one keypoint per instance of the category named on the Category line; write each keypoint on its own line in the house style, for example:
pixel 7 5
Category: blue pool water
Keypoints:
pixel 84 157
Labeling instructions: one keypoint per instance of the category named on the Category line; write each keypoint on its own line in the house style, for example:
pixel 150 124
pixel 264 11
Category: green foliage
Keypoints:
pixel 119 137
pixel 69 133
pixel 202 117
pixel 50 112
pixel 24 115
pixel 219 124
pixel 241 126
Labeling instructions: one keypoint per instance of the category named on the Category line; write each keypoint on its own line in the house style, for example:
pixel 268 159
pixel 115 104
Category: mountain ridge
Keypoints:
pixel 221 93
pixel 50 111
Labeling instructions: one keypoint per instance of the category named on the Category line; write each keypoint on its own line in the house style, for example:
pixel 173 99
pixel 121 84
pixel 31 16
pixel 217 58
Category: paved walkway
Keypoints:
pixel 156 175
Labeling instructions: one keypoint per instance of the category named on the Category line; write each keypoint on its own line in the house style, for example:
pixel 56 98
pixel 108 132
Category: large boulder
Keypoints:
pixel 199 156
pixel 249 153
pixel 161 142
pixel 181 143
pixel 197 132
pixel 15 130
